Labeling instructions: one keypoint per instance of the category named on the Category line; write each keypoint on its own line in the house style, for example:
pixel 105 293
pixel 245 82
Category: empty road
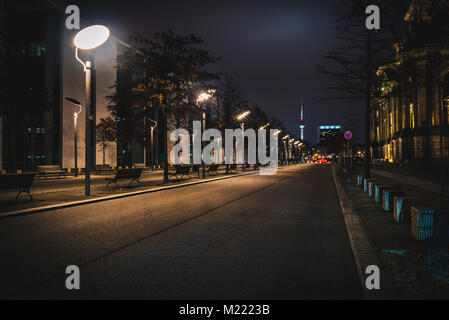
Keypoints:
pixel 249 237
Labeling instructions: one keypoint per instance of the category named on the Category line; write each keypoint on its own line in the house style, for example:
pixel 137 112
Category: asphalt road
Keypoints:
pixel 250 237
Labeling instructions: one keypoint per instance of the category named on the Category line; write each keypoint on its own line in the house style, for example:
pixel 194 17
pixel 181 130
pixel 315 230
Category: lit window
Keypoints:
pixel 40 49
pixel 412 116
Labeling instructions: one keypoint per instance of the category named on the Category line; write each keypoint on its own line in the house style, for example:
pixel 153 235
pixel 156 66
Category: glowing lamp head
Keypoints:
pixel 91 37
pixel 286 137
pixel 243 115
pixel 203 97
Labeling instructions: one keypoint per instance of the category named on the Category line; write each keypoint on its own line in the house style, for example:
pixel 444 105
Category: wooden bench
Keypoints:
pixel 132 174
pixel 50 170
pixel 180 172
pixel 103 169
pixel 20 182
pixel 213 169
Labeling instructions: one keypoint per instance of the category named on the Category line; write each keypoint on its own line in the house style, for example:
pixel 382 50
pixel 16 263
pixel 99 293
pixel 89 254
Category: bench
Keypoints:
pixel 180 172
pixel 233 167
pixel 20 182
pixel 142 166
pixel 213 169
pixel 103 169
pixel 132 174
pixel 50 170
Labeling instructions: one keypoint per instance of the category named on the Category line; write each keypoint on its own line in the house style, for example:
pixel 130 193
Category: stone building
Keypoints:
pixel 410 118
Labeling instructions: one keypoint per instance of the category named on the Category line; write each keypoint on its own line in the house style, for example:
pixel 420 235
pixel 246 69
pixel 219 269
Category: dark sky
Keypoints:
pixel 270 48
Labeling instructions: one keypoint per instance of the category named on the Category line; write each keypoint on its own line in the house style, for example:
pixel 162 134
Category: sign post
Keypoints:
pixel 348 137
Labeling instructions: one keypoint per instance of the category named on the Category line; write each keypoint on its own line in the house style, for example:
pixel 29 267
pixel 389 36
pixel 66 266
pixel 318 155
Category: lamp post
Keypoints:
pixel 241 117
pixel 285 145
pixel 87 39
pixel 75 134
pixel 151 138
pixel 203 97
pixel 290 148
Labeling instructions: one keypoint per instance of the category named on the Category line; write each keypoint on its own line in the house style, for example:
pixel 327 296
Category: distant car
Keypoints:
pixel 322 161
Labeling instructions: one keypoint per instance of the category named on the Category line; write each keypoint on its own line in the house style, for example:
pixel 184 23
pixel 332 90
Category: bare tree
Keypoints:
pixel 352 63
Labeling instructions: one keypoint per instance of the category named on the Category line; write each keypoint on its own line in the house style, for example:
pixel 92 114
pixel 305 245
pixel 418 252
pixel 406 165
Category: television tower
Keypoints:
pixel 301 121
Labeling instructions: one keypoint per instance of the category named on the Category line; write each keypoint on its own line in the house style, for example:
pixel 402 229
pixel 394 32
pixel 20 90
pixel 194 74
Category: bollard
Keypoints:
pixel 388 201
pixel 422 219
pixel 402 208
pixel 378 194
pixel 365 184
pixel 371 185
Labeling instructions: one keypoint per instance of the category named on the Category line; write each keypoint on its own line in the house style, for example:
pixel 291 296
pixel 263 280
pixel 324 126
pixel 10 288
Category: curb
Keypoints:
pixel 22 212
pixel 362 250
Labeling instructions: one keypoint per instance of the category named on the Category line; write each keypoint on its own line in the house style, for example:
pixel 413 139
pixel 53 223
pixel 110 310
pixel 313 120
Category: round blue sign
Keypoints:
pixel 348 135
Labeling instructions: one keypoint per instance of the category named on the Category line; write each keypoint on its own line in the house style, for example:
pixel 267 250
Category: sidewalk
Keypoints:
pixel 403 258
pixel 56 191
pixel 424 184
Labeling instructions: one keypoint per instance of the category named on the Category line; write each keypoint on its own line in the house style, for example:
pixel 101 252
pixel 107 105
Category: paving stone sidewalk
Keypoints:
pixel 402 257
pixel 55 191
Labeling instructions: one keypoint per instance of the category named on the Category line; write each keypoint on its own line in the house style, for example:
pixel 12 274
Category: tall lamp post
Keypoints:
pixel 87 39
pixel 152 138
pixel 203 97
pixel 290 147
pixel 241 118
pixel 75 126
pixel 284 140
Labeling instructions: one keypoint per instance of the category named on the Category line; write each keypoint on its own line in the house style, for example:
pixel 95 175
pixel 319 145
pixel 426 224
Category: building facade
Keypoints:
pixel 410 117
pixel 36 122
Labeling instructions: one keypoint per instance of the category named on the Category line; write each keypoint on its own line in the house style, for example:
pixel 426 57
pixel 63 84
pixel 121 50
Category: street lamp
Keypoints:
pixel 284 142
pixel 75 125
pixel 264 127
pixel 203 97
pixel 152 127
pixel 241 117
pixel 87 39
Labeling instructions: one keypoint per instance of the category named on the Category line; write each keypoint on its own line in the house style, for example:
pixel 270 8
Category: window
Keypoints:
pixel 445 98
pixel 412 116
pixel 40 49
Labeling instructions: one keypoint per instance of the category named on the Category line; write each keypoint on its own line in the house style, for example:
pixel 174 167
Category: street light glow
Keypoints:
pixel 286 137
pixel 204 96
pixel 264 127
pixel 243 115
pixel 278 132
pixel 91 37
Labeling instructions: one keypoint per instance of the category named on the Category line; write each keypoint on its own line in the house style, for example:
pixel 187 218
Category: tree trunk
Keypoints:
pixel 165 146
pixel 104 153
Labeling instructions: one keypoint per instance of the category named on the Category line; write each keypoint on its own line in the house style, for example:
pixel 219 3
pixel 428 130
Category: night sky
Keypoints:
pixel 270 48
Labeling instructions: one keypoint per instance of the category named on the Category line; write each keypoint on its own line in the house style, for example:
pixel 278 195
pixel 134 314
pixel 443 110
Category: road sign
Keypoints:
pixel 348 135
